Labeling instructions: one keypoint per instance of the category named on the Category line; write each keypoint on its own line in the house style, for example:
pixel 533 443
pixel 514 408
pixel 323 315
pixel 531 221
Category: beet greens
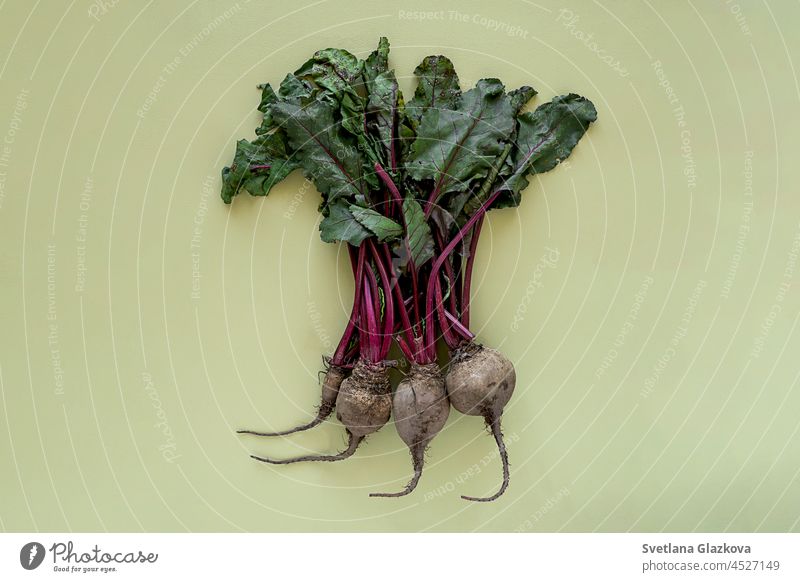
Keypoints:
pixel 406 186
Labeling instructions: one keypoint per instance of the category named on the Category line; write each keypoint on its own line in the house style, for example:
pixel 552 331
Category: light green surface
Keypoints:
pixel 713 445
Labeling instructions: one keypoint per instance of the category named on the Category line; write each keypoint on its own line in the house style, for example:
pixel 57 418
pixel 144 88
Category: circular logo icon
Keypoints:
pixel 31 555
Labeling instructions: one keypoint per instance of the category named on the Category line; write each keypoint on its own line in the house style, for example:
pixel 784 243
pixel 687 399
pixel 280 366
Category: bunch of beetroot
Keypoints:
pixel 406 187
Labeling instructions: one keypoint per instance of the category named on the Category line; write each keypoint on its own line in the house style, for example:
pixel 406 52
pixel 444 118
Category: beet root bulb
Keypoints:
pixel 363 405
pixel 480 383
pixel 330 390
pixel 420 408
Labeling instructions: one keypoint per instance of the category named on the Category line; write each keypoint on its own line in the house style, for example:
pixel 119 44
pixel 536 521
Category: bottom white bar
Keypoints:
pixel 401 557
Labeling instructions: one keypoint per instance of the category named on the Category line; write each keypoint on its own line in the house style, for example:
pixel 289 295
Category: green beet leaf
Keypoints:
pixel 338 116
pixel 385 108
pixel 545 137
pixel 354 224
pixel 437 87
pixel 335 70
pixel 456 146
pixel 340 225
pixel 294 90
pixel 271 159
pixel 383 228
pixel 268 97
pixel 329 156
pixel 419 240
pixel 542 139
pixel 376 63
pixel 520 97
pixel 468 202
pixel 338 72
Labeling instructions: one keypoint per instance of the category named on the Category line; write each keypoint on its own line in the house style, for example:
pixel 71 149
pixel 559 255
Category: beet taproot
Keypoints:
pixel 330 390
pixel 420 407
pixel 480 382
pixel 363 406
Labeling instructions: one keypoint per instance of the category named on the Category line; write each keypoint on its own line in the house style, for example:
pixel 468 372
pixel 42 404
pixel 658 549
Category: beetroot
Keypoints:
pixel 405 186
pixel 480 383
pixel 330 390
pixel 363 402
pixel 420 409
pixel 363 406
pixel 337 365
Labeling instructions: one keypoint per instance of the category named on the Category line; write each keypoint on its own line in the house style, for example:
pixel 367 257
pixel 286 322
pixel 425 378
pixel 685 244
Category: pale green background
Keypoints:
pixel 714 446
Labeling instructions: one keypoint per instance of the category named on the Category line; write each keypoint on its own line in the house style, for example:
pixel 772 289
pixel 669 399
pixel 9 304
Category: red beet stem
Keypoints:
pixel 340 356
pixel 386 283
pixel 430 339
pixel 465 289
